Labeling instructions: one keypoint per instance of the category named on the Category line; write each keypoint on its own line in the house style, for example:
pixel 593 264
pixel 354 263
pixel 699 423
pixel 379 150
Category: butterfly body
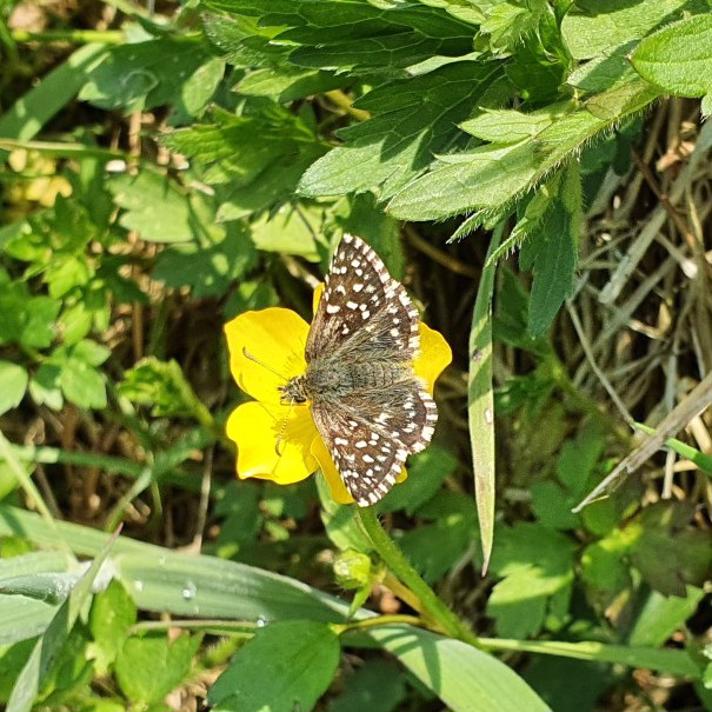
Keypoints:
pixel 367 403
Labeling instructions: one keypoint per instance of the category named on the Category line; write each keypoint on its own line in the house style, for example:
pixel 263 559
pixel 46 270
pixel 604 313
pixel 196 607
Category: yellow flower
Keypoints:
pixel 280 442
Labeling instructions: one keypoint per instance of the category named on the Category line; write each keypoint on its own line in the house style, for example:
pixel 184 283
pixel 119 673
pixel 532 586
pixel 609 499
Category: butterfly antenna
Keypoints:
pixel 254 359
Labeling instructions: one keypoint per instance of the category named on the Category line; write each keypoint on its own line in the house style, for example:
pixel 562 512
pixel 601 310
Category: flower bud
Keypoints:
pixel 352 569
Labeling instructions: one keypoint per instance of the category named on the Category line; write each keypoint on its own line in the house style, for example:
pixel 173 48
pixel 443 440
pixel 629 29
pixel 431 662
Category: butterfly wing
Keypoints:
pixel 371 432
pixel 365 321
pixel 363 310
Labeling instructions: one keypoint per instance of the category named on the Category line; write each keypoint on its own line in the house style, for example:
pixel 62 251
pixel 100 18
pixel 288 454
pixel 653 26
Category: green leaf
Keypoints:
pixel 45 386
pixel 660 616
pixel 112 614
pixel 332 34
pixel 434 548
pixel 377 686
pixel 22 618
pixel 149 667
pixel 13 384
pixel 669 553
pixel 506 125
pixel 466 679
pixel 289 230
pixel 600 26
pixel 143 75
pixel 413 119
pixel 286 665
pixel 553 252
pixel 678 58
pixel 82 384
pixel 153 206
pixel 258 157
pixel 537 566
pixel 490 177
pixel 426 474
pixel 286 84
pixel 552 501
pixel 160 385
pixel 208 268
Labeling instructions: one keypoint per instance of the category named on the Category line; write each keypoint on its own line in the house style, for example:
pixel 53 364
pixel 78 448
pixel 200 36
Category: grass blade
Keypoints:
pixel 480 402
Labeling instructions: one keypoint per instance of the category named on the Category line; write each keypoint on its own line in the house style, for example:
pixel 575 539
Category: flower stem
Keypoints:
pixel 376 622
pixel 394 558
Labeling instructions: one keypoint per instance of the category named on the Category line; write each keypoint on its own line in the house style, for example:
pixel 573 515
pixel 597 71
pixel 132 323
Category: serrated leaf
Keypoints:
pixel 332 34
pixel 507 126
pixel 413 120
pixel 601 25
pixel 552 252
pixel 285 83
pixel 152 206
pixel 492 176
pixel 678 58
pixel 301 655
pixel 159 385
pixel 207 267
pixel 261 156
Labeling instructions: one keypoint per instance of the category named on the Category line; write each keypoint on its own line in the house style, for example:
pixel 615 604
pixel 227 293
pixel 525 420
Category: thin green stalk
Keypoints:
pixel 75 36
pixel 377 622
pixel 676 662
pixel 395 560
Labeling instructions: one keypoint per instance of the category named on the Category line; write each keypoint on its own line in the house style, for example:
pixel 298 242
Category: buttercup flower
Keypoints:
pixel 280 442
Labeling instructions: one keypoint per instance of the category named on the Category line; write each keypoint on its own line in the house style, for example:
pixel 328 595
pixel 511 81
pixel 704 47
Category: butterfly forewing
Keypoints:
pixel 368 405
pixel 363 304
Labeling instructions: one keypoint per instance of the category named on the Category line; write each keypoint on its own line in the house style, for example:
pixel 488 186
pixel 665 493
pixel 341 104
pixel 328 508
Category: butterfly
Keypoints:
pixel 368 405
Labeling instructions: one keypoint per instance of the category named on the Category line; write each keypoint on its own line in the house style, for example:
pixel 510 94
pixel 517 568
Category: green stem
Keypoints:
pixel 75 36
pixel 395 560
pixel 377 622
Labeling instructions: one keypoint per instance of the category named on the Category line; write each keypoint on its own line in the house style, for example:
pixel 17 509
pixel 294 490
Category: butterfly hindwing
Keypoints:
pixel 371 432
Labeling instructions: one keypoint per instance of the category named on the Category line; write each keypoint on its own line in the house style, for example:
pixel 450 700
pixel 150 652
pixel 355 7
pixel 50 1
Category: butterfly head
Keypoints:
pixel 294 391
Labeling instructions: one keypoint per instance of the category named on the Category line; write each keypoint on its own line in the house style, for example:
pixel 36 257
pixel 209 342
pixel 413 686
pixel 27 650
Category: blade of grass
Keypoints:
pixel 703 461
pixel 480 402
pixel 29 114
pixel 674 662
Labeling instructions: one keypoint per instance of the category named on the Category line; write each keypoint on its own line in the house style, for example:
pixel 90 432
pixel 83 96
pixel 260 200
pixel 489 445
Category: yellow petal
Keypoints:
pixel 435 355
pixel 275 338
pixel 338 490
pixel 273 441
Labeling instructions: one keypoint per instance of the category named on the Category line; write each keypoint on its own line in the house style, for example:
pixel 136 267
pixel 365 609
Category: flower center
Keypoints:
pixel 294 391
